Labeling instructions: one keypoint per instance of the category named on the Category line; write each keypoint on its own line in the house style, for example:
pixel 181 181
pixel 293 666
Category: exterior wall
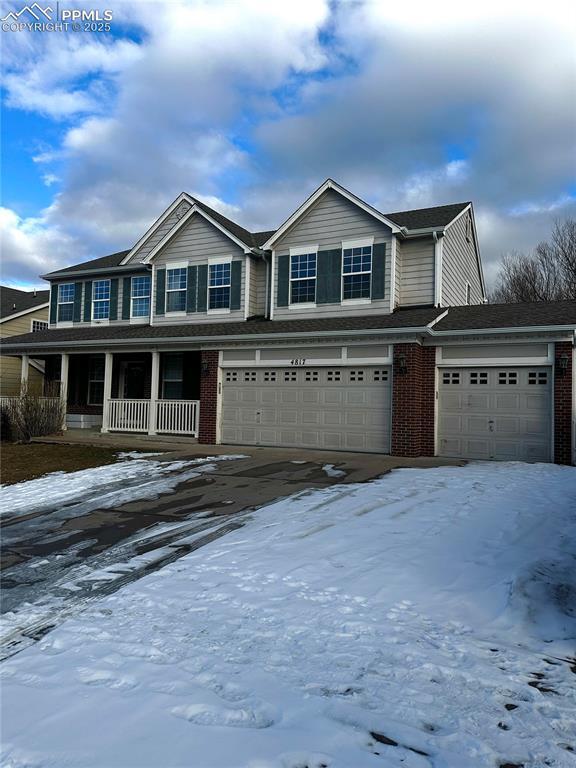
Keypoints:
pixel 563 405
pixel 416 285
pixel 161 232
pixel 398 272
pixel 413 401
pixel 459 266
pixel 257 288
pixel 331 220
pixel 196 243
pixel 10 367
pixel 208 397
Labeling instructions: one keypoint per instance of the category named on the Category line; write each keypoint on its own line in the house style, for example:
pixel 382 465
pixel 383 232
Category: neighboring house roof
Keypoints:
pixel 425 218
pixel 15 302
pixel 484 317
pixel 487 316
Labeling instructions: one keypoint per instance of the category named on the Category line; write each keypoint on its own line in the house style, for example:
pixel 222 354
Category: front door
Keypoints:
pixel 133 379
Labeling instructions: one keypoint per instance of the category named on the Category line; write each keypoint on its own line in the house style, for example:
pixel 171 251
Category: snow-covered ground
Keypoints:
pixel 423 619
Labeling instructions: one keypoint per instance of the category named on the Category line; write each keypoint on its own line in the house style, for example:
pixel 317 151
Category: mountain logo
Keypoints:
pixel 34 10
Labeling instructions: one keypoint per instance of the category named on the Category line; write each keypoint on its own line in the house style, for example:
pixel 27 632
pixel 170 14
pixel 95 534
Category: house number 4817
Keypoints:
pixel 298 361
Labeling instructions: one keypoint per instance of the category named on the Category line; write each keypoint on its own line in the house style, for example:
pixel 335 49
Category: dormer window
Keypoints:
pixel 303 278
pixel 219 283
pixel 176 282
pixel 101 300
pixel 356 272
pixel 66 302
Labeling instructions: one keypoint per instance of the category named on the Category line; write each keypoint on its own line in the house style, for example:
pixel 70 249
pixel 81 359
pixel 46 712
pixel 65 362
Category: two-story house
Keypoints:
pixel 345 328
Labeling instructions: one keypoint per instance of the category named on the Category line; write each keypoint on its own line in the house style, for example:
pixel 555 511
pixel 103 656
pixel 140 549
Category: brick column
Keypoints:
pixel 413 396
pixel 562 404
pixel 208 396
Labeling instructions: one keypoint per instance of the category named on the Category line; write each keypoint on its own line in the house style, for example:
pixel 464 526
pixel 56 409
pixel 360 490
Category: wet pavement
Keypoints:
pixel 55 560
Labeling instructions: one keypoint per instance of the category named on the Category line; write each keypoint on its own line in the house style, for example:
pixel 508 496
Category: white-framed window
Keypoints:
pixel 356 272
pixel 303 278
pixel 96 381
pixel 66 302
pixel 100 299
pixel 176 284
pixel 140 296
pixel 468 294
pixel 38 325
pixel 219 282
pixel 172 376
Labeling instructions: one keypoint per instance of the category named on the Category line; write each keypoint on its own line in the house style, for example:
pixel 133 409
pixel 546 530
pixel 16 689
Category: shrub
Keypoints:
pixel 31 416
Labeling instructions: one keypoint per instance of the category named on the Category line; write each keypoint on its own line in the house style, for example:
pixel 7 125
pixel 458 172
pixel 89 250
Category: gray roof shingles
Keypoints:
pixel 12 300
pixel 552 313
pixel 422 218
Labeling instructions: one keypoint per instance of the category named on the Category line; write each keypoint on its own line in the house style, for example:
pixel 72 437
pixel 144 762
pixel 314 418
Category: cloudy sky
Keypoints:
pixel 250 105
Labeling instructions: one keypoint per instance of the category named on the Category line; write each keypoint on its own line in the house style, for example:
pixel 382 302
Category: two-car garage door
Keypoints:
pixel 495 413
pixel 340 408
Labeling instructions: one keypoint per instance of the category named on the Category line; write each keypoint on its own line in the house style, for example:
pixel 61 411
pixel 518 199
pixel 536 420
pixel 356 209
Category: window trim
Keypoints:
pixel 101 320
pixel 219 310
pixel 62 303
pixel 94 381
pixel 349 245
pixel 164 380
pixel 171 268
pixel 140 318
pixel 302 251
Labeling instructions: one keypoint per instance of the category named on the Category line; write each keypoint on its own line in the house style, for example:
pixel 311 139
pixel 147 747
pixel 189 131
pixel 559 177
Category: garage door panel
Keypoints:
pixel 338 409
pixel 496 413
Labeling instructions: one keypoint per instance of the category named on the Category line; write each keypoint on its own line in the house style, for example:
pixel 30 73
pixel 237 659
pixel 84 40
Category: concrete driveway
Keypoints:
pixel 57 560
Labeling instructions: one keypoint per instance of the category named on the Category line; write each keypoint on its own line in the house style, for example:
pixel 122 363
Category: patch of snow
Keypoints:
pixel 423 619
pixel 331 471
pixel 138 454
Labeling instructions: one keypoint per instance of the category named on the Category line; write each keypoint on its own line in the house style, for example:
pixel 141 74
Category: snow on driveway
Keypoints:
pixel 423 619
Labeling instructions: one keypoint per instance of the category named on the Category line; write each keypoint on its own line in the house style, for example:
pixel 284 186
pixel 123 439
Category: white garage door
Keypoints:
pixel 346 409
pixel 495 413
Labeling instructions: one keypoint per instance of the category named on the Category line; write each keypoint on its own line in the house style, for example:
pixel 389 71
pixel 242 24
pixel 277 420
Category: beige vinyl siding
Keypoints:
pixel 195 243
pixel 417 270
pixel 459 266
pixel 151 243
pixel 331 220
pixel 10 367
pixel 257 288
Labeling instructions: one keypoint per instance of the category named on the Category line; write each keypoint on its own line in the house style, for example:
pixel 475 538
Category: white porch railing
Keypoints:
pixel 175 417
pixel 178 417
pixel 129 415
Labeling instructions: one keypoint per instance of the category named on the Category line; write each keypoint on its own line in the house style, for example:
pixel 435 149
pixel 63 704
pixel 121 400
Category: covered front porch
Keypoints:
pixel 142 392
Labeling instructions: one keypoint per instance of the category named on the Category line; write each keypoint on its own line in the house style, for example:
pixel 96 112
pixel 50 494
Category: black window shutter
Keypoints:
pixel 88 301
pixel 53 302
pixel 191 289
pixel 202 287
pixel 114 298
pixel 329 276
pixel 236 284
pixel 160 291
pixel 77 316
pixel 126 297
pixel 378 264
pixel 283 298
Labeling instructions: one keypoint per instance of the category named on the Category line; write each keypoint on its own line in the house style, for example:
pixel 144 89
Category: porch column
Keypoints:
pixel 153 420
pixel 108 363
pixel 25 365
pixel 64 364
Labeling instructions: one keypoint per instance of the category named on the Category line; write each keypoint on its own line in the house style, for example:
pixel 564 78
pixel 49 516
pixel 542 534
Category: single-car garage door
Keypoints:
pixel 346 409
pixel 495 413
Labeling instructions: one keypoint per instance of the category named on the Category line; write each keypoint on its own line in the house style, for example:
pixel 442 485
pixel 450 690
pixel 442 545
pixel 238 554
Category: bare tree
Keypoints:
pixel 547 274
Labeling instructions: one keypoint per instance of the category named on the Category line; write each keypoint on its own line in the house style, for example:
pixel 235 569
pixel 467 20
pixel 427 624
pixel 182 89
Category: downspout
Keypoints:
pixel 438 247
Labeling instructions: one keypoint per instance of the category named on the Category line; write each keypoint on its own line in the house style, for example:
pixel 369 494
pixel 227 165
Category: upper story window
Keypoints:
pixel 356 272
pixel 303 278
pixel 39 325
pixel 65 302
pixel 140 296
pixel 176 282
pixel 219 286
pixel 101 299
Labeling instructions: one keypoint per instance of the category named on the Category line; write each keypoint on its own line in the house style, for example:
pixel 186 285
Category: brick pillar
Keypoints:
pixel 208 396
pixel 563 404
pixel 413 396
